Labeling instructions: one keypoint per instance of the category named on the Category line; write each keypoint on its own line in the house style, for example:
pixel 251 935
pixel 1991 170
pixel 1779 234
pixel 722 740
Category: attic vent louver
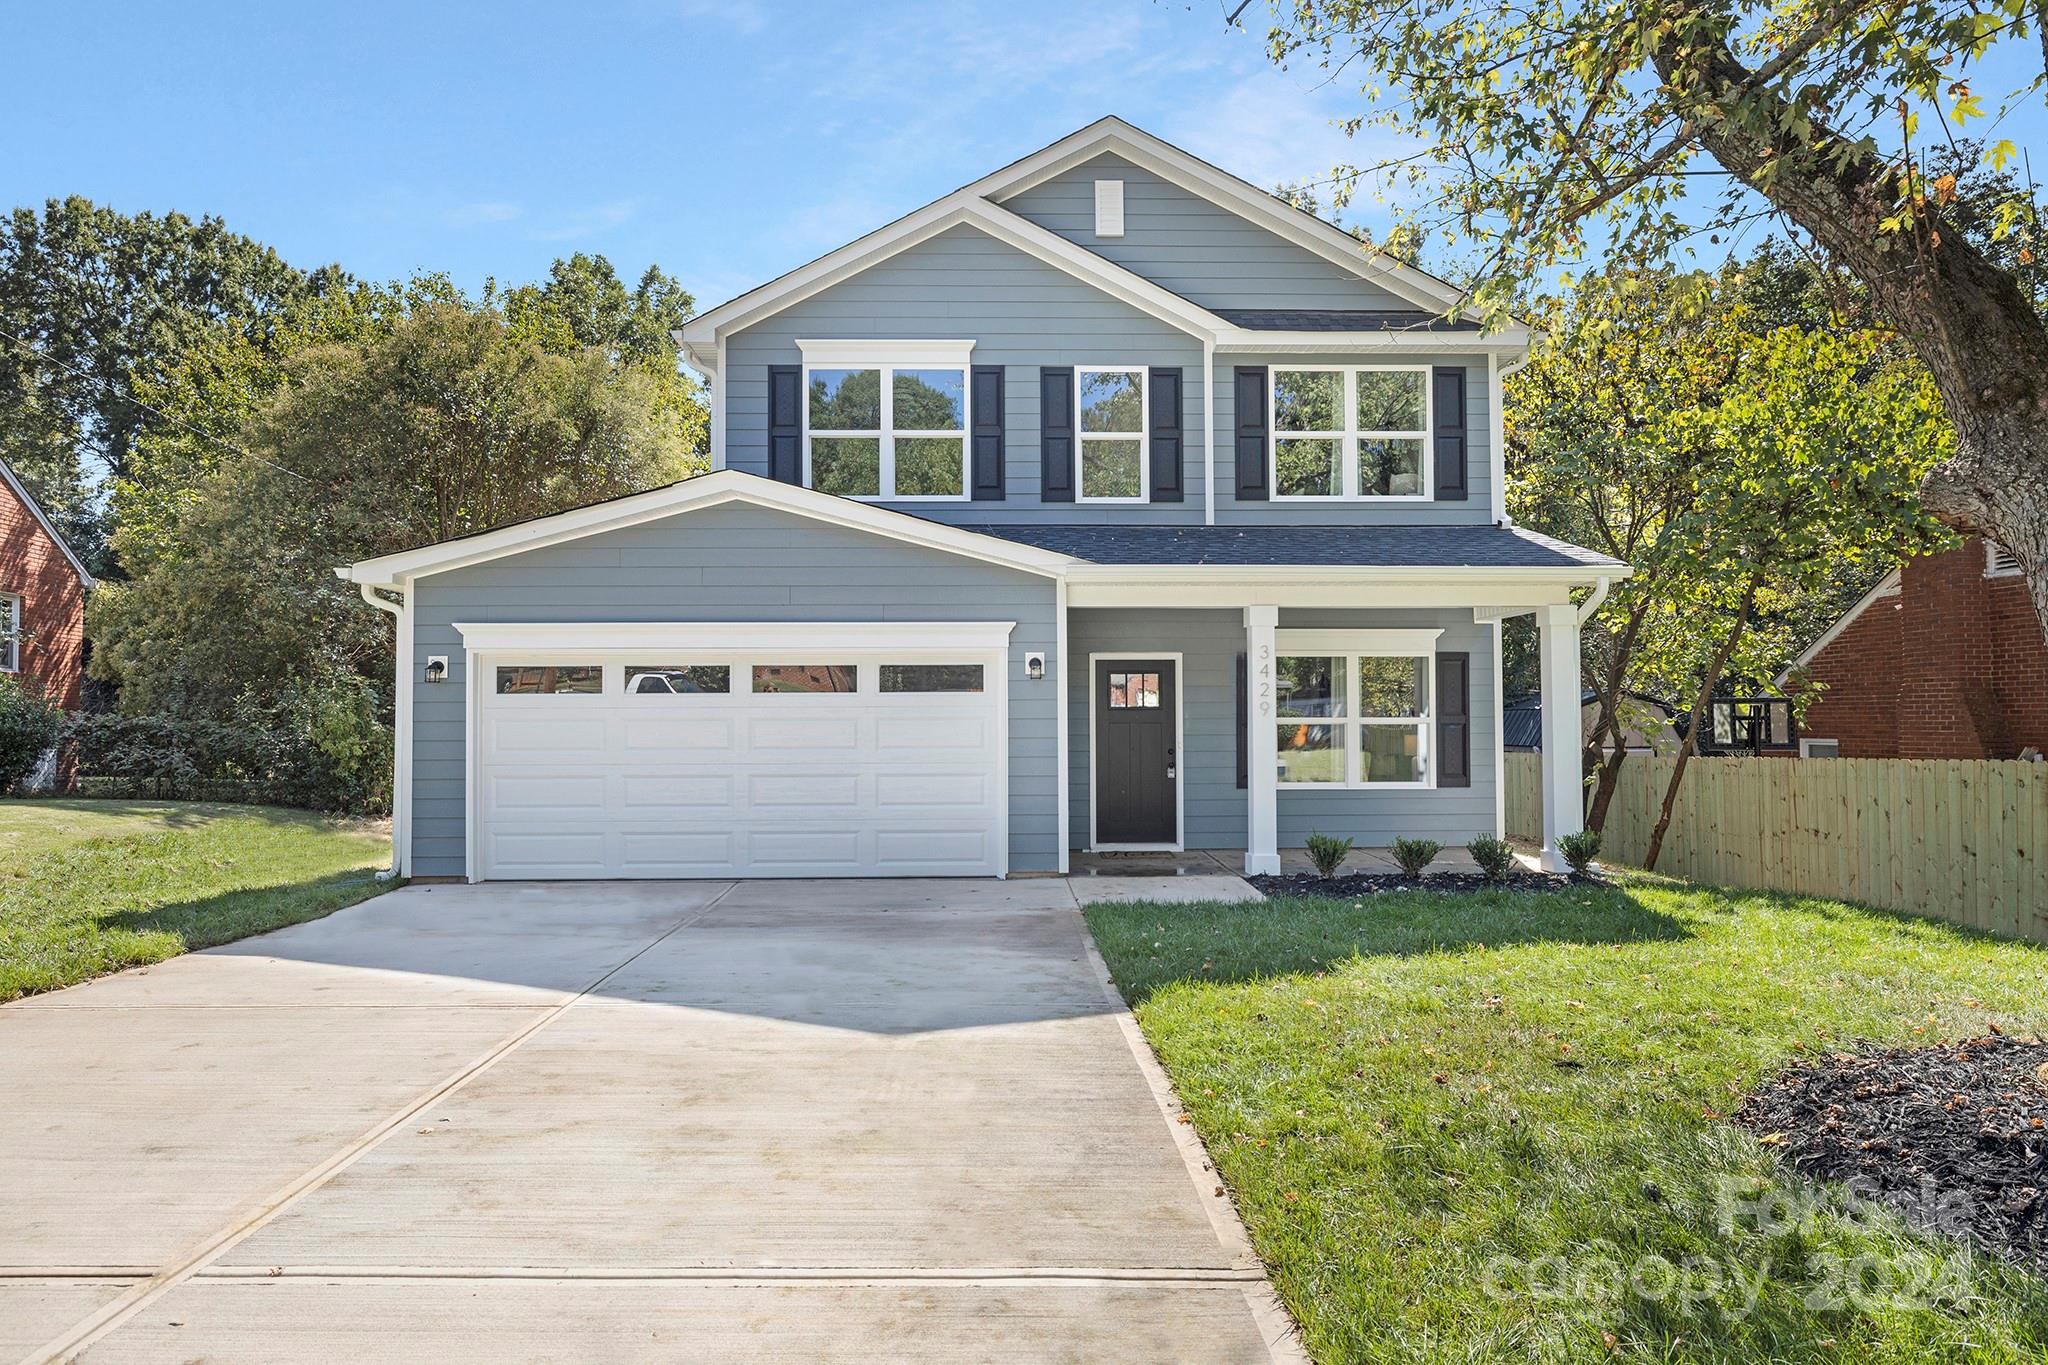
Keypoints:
pixel 1109 208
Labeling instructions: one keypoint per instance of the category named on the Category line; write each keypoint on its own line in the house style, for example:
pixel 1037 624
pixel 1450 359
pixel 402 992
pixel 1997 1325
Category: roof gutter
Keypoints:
pixel 1592 604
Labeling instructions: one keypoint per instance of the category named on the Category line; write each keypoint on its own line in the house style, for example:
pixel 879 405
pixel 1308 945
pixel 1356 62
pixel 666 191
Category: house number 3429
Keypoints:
pixel 1265 682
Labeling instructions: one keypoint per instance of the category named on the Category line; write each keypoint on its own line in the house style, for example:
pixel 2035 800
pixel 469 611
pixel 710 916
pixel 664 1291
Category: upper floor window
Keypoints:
pixel 1113 458
pixel 886 431
pixel 10 633
pixel 1358 431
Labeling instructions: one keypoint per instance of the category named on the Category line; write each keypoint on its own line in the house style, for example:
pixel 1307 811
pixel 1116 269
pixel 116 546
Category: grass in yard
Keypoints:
pixel 1489 1127
pixel 90 887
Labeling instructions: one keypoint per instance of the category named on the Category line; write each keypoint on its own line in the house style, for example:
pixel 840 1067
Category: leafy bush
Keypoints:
pixel 1495 856
pixel 1327 852
pixel 1416 854
pixel 1580 849
pixel 29 725
pixel 322 746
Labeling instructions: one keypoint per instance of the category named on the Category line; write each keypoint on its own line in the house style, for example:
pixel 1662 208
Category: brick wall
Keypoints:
pixel 53 602
pixel 1952 666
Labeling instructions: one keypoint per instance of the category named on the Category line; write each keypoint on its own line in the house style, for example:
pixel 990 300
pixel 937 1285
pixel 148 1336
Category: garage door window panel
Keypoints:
pixel 931 678
pixel 811 678
pixel 671 680
pixel 531 680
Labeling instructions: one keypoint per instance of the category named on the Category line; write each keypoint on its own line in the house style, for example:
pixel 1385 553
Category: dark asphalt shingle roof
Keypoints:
pixel 1493 547
pixel 1343 320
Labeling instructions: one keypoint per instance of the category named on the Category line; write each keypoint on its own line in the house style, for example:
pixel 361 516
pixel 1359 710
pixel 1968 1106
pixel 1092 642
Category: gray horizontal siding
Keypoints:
pixel 1198 249
pixel 1214 805
pixel 728 563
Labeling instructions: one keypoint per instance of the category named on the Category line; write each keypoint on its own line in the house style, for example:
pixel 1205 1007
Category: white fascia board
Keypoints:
pixel 813 638
pixel 1509 340
pixel 1888 586
pixel 706 490
pixel 35 510
pixel 1366 641
pixel 836 352
pixel 1193 174
pixel 956 210
pixel 1576 575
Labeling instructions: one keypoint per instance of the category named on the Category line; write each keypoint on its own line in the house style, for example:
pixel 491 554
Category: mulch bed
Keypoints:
pixel 1953 1137
pixel 1355 884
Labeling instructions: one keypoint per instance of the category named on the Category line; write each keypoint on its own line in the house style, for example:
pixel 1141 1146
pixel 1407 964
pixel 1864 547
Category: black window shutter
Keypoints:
pixel 1244 739
pixel 1167 484
pixel 1251 434
pixel 1451 443
pixel 1055 435
pixel 987 433
pixel 786 423
pixel 1454 720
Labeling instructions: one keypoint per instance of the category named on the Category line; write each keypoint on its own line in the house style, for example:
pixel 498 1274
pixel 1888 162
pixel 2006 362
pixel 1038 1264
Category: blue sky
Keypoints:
pixel 727 140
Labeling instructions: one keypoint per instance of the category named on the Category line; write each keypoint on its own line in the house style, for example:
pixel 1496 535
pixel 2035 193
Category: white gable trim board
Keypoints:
pixel 855 780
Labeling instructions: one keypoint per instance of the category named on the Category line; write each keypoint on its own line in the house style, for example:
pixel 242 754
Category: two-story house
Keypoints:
pixel 1106 503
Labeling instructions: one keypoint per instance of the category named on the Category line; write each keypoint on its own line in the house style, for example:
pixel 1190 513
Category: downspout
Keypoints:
pixel 399 735
pixel 1592 604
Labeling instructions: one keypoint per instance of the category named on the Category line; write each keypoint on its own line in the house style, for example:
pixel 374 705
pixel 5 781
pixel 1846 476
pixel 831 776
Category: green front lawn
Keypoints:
pixel 89 887
pixel 1491 1127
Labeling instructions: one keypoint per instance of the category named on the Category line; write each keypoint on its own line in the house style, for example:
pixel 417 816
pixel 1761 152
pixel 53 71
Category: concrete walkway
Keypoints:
pixel 769 1121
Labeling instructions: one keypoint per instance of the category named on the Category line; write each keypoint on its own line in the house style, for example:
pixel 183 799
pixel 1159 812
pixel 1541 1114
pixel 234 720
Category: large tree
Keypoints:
pixel 1546 125
pixel 96 304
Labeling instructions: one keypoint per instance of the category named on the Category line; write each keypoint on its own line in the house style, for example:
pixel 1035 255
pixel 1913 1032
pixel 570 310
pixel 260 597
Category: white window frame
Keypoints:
pixel 1806 747
pixel 887 358
pixel 10 638
pixel 1348 436
pixel 1144 435
pixel 1351 646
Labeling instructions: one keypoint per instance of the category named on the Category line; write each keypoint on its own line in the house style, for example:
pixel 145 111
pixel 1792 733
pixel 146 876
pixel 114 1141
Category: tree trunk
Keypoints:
pixel 1692 729
pixel 1610 720
pixel 1979 336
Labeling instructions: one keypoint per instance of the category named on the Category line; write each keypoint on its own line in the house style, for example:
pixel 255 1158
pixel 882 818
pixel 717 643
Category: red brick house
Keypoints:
pixel 42 597
pixel 1942 659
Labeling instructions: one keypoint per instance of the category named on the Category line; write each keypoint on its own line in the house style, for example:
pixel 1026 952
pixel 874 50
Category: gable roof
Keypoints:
pixel 689 495
pixel 979 205
pixel 35 510
pixel 1888 586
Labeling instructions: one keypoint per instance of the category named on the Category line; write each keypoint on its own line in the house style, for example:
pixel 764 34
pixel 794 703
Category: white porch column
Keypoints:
pixel 1564 791
pixel 1262 746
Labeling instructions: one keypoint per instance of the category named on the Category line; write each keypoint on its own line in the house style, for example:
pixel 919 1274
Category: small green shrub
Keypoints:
pixel 29 725
pixel 1495 856
pixel 1415 854
pixel 1580 849
pixel 1327 852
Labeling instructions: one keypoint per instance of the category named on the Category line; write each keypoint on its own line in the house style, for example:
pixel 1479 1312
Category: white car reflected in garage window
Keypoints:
pixel 669 680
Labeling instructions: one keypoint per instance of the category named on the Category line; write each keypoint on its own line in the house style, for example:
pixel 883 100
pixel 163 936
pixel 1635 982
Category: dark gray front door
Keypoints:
pixel 1137 766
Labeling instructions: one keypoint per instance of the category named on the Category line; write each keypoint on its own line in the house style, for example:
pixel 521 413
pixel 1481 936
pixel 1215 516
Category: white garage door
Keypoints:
pixel 724 764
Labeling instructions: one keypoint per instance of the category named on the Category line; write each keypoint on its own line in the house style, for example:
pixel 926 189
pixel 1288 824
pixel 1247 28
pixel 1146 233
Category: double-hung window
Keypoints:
pixel 1357 719
pixel 10 633
pixel 894 428
pixel 1351 432
pixel 1112 450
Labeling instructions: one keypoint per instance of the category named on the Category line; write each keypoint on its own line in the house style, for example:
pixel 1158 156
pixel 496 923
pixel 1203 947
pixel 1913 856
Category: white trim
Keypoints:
pixel 1144 436
pixel 704 491
pixel 1109 208
pixel 1496 439
pixel 886 367
pixel 1064 760
pixel 1262 739
pixel 1888 586
pixel 1169 162
pixel 730 637
pixel 1379 643
pixel 10 638
pixel 1348 435
pixel 1806 750
pixel 1208 433
pixel 1509 341
pixel 902 354
pixel 2000 562
pixel 1561 690
pixel 1351 721
pixel 35 510
pixel 1500 740
pixel 1180 754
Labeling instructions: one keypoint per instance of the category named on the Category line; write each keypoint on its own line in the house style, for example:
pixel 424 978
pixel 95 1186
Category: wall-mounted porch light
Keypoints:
pixel 437 668
pixel 1034 666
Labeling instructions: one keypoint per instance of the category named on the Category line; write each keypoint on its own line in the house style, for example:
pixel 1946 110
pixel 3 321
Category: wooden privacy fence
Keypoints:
pixel 1961 840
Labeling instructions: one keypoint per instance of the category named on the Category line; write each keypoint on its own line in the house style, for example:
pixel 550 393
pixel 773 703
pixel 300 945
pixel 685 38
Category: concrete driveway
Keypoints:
pixel 765 1121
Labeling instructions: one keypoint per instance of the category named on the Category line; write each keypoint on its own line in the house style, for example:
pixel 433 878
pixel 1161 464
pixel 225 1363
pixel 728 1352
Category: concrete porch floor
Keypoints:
pixel 1208 862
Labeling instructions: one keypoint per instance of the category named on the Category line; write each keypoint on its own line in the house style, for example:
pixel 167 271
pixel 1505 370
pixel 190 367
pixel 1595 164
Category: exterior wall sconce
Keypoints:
pixel 437 668
pixel 1034 666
